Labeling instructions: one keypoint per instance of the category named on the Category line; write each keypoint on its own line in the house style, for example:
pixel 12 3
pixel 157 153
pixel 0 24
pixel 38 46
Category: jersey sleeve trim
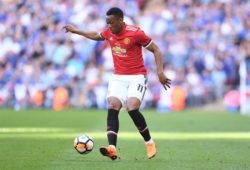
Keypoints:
pixel 100 35
pixel 148 44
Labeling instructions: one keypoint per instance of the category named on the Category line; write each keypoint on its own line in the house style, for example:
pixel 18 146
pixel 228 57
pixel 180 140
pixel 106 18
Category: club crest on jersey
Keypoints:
pixel 126 41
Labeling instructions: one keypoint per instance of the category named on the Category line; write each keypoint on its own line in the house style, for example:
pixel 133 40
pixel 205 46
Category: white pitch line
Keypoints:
pixel 27 130
pixel 65 133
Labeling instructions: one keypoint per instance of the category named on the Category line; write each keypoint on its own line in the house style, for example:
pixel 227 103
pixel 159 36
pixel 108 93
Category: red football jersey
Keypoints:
pixel 126 49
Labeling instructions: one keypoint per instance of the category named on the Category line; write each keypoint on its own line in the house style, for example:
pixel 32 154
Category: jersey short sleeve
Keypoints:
pixel 105 34
pixel 143 39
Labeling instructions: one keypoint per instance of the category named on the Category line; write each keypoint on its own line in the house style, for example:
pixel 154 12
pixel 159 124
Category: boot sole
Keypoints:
pixel 104 152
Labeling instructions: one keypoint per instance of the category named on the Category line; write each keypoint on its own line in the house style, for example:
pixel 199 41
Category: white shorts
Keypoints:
pixel 125 86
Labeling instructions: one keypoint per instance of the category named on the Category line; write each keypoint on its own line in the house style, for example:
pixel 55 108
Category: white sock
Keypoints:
pixel 150 141
pixel 113 146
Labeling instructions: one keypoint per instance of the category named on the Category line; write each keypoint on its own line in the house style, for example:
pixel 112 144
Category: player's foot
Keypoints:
pixel 151 150
pixel 109 151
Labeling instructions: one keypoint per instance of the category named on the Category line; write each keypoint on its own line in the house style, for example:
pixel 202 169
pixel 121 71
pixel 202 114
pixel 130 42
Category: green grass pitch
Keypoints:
pixel 43 139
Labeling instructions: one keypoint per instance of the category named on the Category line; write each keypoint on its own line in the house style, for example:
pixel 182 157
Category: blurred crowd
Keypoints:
pixel 203 43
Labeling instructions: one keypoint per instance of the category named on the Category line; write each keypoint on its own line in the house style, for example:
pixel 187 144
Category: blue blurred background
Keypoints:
pixel 202 41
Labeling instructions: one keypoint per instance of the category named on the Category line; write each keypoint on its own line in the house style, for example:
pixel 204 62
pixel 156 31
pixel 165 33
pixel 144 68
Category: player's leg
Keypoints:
pixel 136 93
pixel 114 106
pixel 138 119
pixel 115 98
pixel 141 125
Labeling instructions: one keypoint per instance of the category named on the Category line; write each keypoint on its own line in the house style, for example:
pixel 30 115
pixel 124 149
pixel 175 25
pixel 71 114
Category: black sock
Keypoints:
pixel 140 123
pixel 112 126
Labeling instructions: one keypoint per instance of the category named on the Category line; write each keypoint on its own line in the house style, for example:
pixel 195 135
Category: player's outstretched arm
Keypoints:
pixel 159 63
pixel 88 34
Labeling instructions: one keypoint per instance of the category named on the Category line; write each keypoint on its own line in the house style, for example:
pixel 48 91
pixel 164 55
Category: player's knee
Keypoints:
pixel 132 107
pixel 114 104
pixel 133 104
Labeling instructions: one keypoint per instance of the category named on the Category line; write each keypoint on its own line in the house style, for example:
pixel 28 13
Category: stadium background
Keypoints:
pixel 203 43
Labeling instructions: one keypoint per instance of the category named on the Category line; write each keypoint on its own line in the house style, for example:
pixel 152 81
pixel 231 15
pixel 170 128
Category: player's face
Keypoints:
pixel 114 23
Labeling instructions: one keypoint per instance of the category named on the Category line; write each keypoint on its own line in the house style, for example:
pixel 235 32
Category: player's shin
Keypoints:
pixel 140 123
pixel 112 126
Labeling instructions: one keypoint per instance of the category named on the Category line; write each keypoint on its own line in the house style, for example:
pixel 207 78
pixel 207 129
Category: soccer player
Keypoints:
pixel 128 84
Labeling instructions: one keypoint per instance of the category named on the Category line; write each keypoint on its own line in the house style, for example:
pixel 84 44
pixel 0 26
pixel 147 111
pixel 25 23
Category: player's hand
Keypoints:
pixel 69 28
pixel 164 80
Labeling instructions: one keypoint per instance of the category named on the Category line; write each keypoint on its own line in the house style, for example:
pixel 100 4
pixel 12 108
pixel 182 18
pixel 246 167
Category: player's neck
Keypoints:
pixel 122 28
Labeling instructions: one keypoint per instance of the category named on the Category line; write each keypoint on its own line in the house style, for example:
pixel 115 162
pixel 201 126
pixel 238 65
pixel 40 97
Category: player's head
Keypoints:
pixel 114 19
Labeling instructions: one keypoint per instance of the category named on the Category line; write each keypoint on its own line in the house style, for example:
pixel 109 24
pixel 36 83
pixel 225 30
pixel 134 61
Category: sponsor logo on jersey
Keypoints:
pixel 118 50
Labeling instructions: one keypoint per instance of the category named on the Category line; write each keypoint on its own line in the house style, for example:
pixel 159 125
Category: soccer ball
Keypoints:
pixel 84 144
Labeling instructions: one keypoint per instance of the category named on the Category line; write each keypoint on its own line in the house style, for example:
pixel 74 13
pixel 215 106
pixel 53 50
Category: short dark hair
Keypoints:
pixel 115 11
